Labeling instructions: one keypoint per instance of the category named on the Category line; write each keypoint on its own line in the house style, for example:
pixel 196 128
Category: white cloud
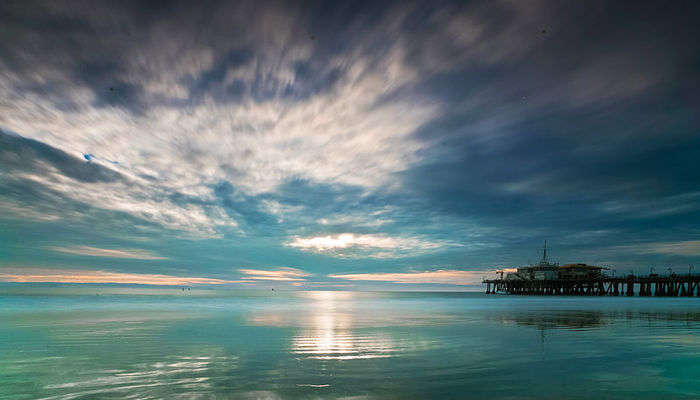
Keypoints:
pixel 280 210
pixel 9 209
pixel 341 136
pixel 135 197
pixel 369 245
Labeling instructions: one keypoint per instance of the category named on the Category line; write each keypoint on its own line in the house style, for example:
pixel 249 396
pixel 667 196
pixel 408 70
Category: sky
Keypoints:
pixel 345 145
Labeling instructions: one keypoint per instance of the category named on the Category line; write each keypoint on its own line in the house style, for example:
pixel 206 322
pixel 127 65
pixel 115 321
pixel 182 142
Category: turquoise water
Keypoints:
pixel 71 343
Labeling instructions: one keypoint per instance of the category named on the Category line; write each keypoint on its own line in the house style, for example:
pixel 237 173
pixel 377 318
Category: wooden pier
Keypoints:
pixel 651 285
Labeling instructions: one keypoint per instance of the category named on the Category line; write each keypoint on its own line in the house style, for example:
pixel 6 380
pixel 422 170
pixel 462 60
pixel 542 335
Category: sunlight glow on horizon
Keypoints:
pixel 451 277
pixel 281 274
pixel 99 252
pixel 41 275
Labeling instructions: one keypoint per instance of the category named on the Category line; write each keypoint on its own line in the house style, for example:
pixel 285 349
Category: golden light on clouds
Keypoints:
pixel 281 274
pixel 87 276
pixel 443 276
pixel 99 252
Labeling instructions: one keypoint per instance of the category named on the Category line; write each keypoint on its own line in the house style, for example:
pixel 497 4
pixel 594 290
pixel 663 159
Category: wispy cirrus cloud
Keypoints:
pixel 689 248
pixel 97 276
pixel 253 115
pixel 368 245
pixel 113 253
pixel 26 212
pixel 280 274
pixel 442 276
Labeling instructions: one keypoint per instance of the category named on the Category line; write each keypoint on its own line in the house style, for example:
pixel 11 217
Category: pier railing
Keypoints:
pixel 661 286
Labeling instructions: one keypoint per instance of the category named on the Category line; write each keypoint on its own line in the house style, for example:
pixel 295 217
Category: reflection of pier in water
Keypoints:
pixel 585 320
pixel 572 320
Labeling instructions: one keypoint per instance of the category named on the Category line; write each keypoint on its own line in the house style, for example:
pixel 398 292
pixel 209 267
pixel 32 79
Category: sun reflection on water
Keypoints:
pixel 330 334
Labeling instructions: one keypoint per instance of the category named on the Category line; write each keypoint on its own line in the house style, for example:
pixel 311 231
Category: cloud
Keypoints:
pixel 52 184
pixel 281 274
pixel 369 245
pixel 188 139
pixel 157 111
pixel 689 248
pixel 656 207
pixel 280 210
pixel 358 219
pixel 86 276
pixel 98 252
pixel 447 277
pixel 24 212
pixel 258 141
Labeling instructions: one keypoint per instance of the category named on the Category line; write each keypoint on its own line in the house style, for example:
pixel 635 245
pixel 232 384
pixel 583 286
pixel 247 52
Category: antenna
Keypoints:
pixel 544 252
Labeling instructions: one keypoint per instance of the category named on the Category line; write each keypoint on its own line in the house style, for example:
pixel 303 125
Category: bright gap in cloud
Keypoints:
pixel 365 245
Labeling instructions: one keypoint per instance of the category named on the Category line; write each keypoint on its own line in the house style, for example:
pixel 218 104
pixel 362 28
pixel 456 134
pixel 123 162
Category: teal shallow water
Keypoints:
pixel 69 343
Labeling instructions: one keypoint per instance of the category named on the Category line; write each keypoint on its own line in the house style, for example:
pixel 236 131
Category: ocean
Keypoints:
pixel 97 342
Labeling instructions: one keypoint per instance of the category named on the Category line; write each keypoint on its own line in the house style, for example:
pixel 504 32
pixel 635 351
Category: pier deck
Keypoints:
pixel 661 286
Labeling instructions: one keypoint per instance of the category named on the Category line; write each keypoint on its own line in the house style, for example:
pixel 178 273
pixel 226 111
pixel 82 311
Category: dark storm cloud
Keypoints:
pixel 112 49
pixel 592 113
pixel 213 78
pixel 52 49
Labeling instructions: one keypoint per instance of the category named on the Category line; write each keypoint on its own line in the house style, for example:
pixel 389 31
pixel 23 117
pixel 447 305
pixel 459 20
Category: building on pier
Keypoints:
pixel 547 270
pixel 542 270
pixel 580 271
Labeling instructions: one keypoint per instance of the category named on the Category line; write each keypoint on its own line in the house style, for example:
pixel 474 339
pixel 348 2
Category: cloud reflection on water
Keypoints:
pixel 191 374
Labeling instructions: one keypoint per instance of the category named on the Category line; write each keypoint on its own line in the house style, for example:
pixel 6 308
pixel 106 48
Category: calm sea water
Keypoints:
pixel 70 343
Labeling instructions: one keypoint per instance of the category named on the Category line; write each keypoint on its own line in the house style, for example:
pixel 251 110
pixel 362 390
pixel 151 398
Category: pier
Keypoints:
pixel 551 279
pixel 650 285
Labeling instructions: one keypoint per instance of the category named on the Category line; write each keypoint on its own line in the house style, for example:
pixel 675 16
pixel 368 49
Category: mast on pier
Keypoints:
pixel 544 253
